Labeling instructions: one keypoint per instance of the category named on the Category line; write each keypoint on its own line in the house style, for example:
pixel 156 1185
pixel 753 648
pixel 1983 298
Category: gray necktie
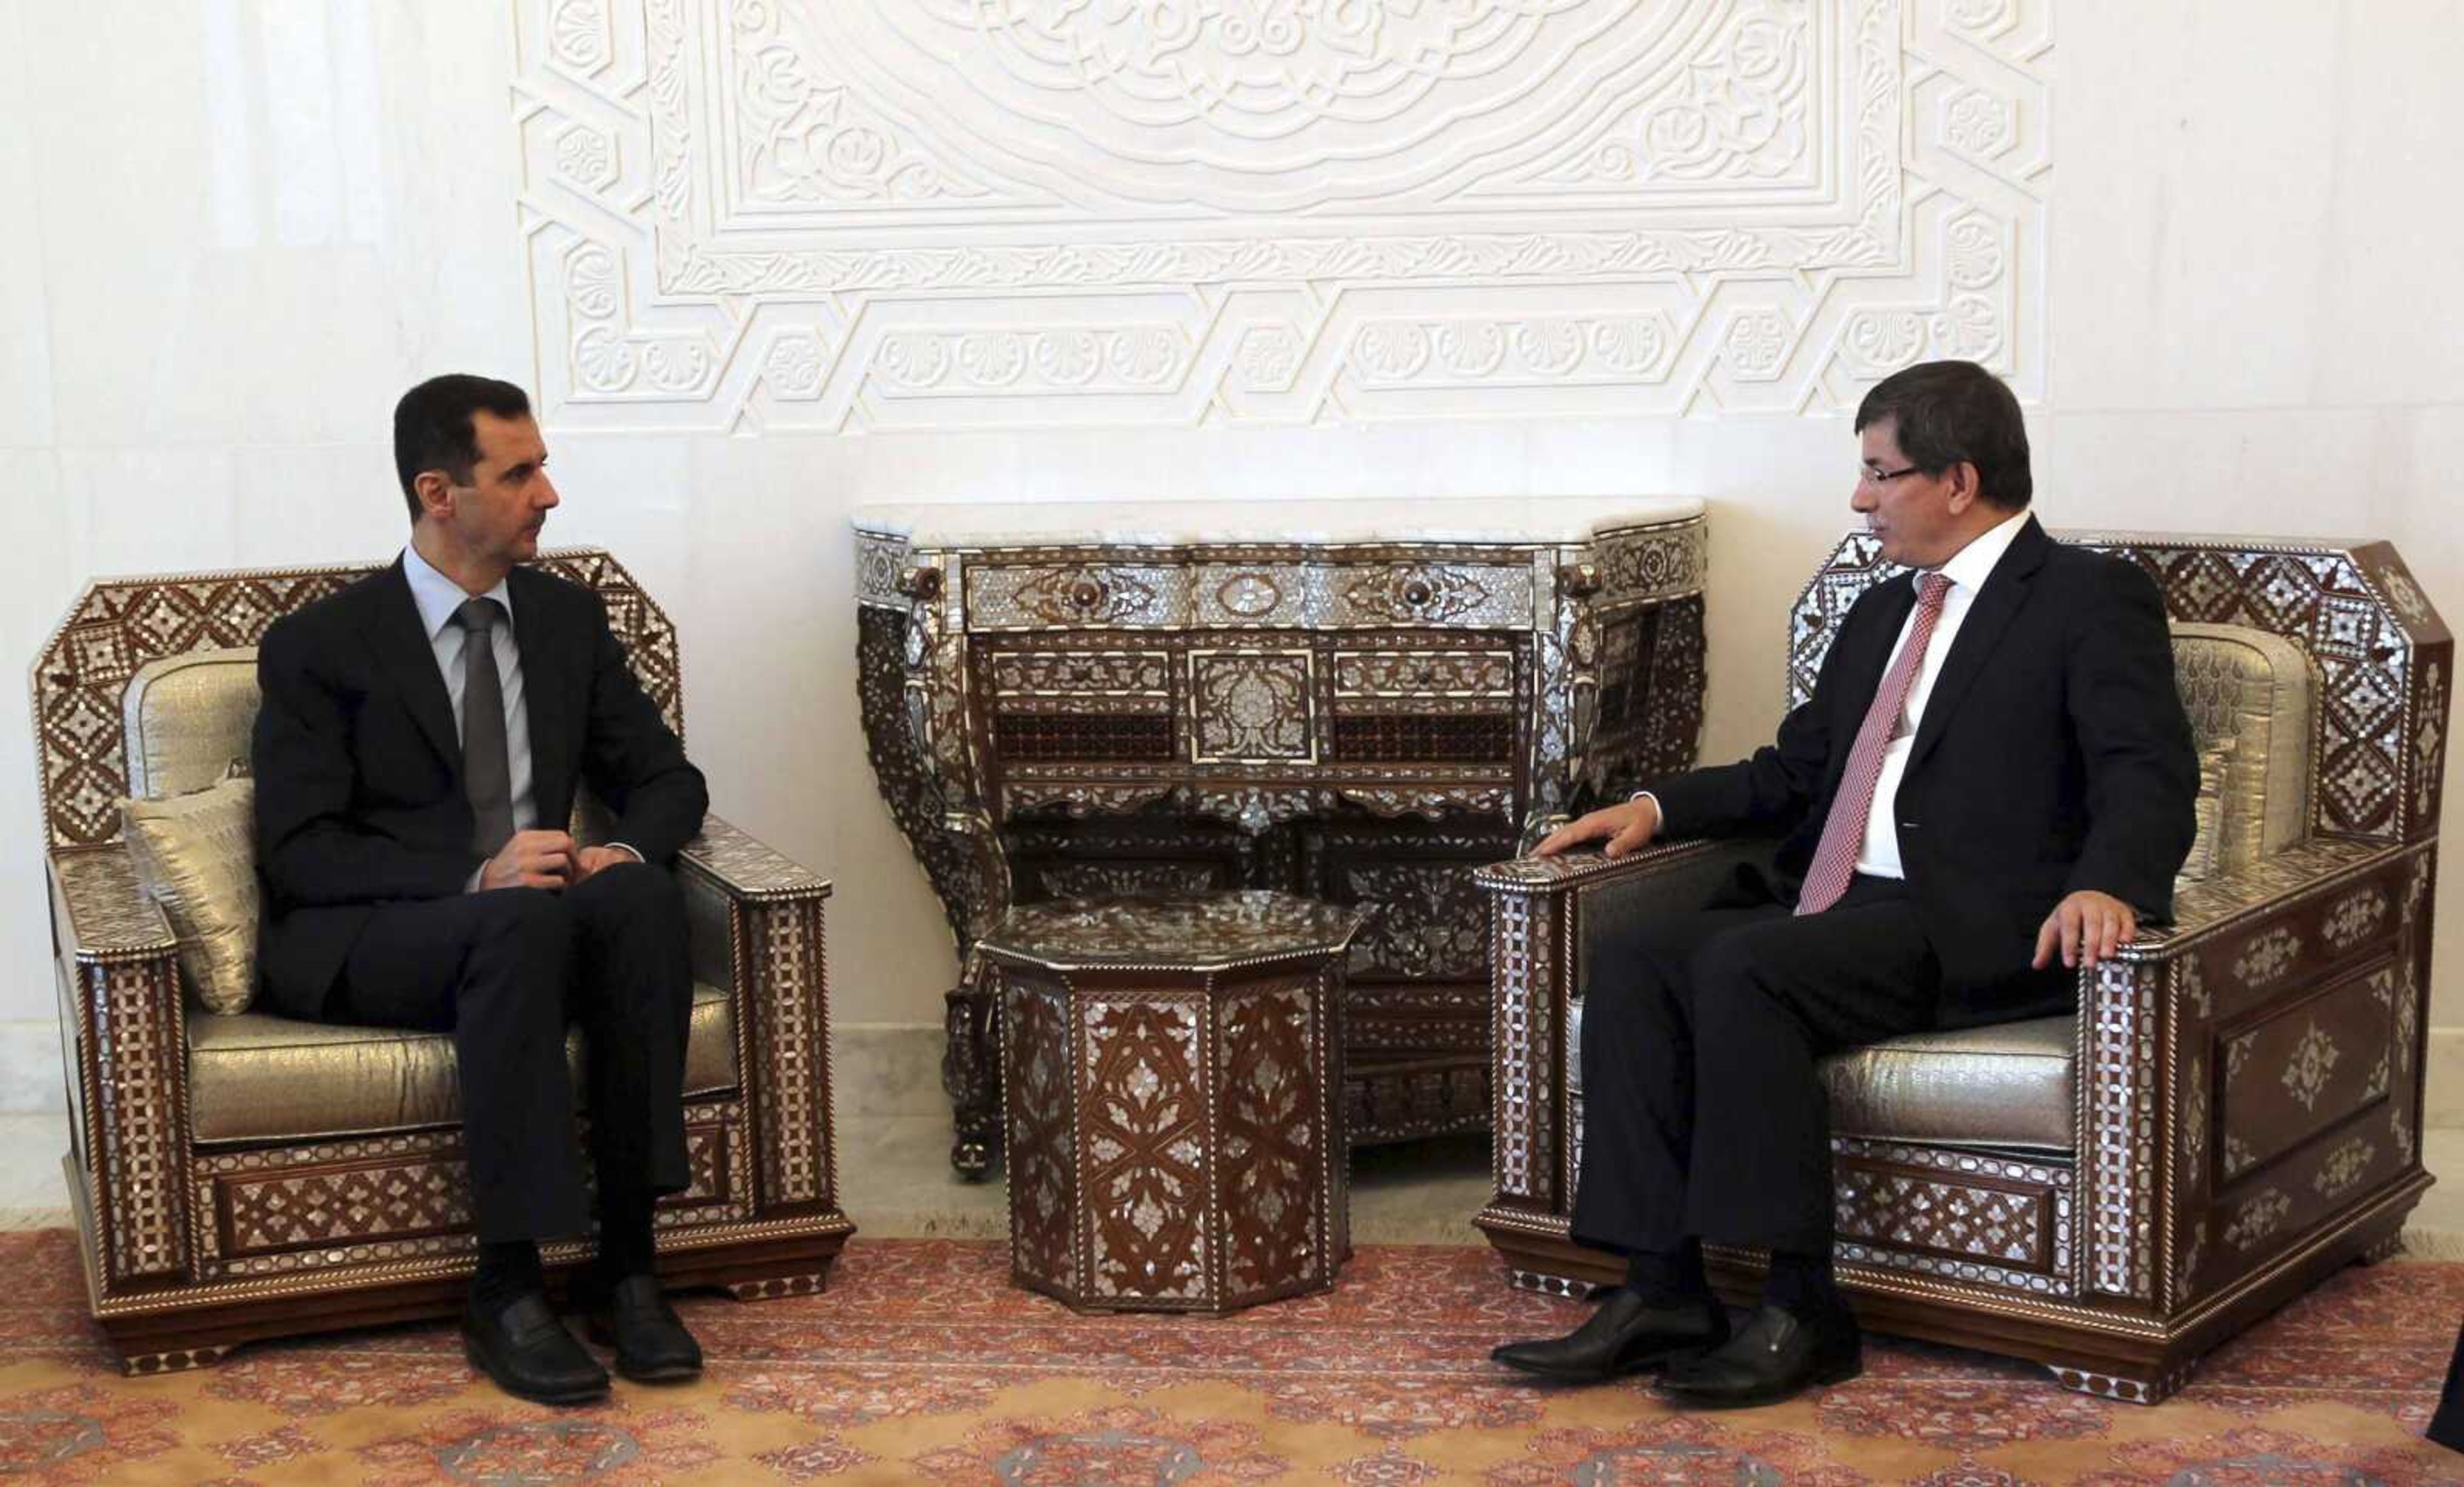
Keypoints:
pixel 487 772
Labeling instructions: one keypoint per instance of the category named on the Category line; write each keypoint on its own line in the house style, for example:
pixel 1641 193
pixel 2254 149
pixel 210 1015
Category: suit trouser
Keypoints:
pixel 2446 1423
pixel 505 972
pixel 1702 1114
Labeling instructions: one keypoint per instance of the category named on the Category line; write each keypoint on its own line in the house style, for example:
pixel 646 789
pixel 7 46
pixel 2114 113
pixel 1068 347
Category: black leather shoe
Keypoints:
pixel 1776 1355
pixel 1622 1335
pixel 529 1353
pixel 651 1344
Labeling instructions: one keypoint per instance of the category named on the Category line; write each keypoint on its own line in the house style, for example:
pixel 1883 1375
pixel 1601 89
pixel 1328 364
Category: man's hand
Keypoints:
pixel 592 859
pixel 531 860
pixel 1628 828
pixel 2088 926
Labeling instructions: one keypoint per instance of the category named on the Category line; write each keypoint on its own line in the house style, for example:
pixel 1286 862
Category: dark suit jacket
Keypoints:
pixel 359 770
pixel 2053 755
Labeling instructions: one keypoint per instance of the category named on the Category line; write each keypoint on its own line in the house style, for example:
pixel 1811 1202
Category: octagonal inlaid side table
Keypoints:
pixel 1170 1071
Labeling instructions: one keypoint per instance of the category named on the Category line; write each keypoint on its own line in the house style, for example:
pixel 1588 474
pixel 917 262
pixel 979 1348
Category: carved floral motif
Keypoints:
pixel 1251 706
pixel 2344 1167
pixel 2257 1219
pixel 2305 1074
pixel 2267 956
pixel 2194 1115
pixel 2407 1013
pixel 2429 749
pixel 2355 917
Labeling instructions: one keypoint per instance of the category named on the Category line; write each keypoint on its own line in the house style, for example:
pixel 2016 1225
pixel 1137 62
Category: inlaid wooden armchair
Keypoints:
pixel 2235 1108
pixel 236 1178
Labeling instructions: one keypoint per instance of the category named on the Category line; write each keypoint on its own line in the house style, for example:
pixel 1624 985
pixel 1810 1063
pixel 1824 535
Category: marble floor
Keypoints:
pixel 895 1180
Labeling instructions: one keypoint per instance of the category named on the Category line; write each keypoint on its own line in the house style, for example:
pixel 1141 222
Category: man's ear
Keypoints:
pixel 435 493
pixel 1967 488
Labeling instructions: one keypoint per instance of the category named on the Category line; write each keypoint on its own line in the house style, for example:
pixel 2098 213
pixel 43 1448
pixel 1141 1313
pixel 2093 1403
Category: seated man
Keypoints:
pixel 1995 767
pixel 418 747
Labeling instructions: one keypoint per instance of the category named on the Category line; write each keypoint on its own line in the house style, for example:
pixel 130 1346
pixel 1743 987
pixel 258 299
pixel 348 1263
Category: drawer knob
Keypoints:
pixel 1417 592
pixel 923 582
pixel 1084 592
pixel 1581 581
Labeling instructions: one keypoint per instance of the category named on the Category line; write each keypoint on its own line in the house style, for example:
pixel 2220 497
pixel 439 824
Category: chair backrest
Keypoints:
pixel 2381 658
pixel 149 686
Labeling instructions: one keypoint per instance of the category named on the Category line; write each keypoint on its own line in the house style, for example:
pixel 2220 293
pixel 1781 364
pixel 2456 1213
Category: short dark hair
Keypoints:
pixel 1947 412
pixel 432 426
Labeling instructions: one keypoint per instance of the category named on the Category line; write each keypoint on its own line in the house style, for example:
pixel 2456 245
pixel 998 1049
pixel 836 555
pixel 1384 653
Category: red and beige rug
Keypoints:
pixel 922 1364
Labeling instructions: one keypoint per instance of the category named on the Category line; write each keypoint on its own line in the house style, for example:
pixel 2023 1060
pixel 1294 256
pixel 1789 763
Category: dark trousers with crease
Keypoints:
pixel 1702 1114
pixel 505 972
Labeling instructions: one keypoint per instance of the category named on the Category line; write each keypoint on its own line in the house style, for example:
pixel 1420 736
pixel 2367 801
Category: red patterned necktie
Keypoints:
pixel 1843 830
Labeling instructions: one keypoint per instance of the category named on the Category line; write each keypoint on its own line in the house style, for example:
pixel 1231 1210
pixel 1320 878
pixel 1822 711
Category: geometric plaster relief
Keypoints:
pixel 871 214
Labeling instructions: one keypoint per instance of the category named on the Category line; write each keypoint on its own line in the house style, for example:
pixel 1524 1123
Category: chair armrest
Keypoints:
pixel 746 870
pixel 723 870
pixel 1574 872
pixel 104 914
pixel 754 920
pixel 2233 901
pixel 119 991
pixel 2325 940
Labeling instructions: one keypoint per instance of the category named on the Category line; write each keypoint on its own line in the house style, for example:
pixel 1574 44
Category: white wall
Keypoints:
pixel 238 228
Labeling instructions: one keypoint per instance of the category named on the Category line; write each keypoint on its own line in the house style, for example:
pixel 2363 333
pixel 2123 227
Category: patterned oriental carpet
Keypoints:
pixel 922 1364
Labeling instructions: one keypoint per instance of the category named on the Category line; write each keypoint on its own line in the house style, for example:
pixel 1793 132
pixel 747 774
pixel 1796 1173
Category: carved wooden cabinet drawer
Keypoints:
pixel 1081 703
pixel 1455 595
pixel 1077 596
pixel 1355 701
pixel 1440 701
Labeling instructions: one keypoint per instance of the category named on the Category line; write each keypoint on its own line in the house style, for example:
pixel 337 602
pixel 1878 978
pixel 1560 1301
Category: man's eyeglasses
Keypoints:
pixel 1868 475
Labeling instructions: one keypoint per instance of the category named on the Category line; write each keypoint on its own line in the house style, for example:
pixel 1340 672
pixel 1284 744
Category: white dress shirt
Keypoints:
pixel 1966 570
pixel 438 596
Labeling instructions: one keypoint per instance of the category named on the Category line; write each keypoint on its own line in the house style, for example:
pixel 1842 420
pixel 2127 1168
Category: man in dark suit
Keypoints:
pixel 419 745
pixel 1993 770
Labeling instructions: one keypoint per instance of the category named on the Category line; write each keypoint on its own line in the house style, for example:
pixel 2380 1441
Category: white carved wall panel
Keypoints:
pixel 877 214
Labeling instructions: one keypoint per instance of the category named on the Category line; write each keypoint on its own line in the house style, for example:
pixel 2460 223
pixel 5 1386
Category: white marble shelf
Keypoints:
pixel 1164 523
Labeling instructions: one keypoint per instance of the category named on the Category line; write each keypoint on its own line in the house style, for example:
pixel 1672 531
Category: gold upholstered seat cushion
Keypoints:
pixel 2010 1085
pixel 261 1078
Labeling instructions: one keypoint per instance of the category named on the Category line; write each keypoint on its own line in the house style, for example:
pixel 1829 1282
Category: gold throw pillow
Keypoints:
pixel 196 854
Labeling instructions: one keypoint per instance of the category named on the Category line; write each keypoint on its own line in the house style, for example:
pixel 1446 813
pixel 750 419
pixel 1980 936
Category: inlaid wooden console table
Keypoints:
pixel 1359 701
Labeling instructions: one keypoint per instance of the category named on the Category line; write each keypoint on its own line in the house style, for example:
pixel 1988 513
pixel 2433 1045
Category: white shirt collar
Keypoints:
pixel 1971 565
pixel 438 596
